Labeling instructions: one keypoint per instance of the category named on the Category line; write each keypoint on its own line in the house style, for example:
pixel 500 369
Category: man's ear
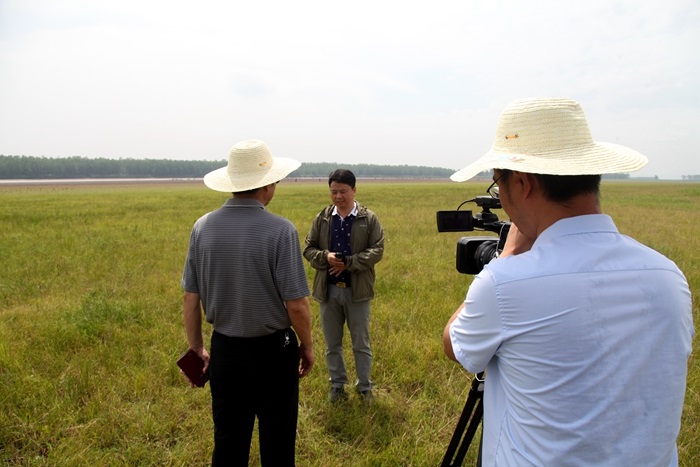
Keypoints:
pixel 522 185
pixel 266 191
pixel 527 184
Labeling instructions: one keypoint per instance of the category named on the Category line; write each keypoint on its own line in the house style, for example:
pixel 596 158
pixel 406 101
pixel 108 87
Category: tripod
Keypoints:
pixel 469 420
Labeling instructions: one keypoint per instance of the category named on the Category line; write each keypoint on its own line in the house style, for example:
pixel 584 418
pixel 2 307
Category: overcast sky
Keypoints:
pixel 385 82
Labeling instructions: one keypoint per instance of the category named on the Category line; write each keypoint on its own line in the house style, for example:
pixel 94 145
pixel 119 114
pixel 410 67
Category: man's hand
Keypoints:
pixel 192 316
pixel 335 265
pixel 516 243
pixel 300 315
pixel 204 355
pixel 307 360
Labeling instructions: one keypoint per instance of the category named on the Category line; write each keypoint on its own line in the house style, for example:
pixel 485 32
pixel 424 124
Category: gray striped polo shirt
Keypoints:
pixel 244 262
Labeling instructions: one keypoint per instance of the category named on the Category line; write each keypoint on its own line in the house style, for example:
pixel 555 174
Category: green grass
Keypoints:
pixel 90 323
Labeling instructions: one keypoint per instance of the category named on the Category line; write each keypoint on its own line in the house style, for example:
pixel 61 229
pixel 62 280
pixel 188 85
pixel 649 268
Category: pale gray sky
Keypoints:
pixel 386 82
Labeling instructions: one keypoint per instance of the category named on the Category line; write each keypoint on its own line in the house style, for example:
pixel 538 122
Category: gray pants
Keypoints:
pixel 335 311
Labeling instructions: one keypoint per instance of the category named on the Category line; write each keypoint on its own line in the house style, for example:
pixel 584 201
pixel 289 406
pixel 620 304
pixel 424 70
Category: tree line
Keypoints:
pixel 30 167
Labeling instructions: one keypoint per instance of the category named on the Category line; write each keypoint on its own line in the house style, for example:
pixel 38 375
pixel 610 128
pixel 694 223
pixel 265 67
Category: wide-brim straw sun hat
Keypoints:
pixel 250 166
pixel 550 136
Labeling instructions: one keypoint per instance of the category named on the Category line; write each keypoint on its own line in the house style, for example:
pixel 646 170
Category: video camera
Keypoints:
pixel 473 253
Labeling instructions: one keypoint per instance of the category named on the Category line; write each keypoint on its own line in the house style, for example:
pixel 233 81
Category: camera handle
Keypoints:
pixel 469 420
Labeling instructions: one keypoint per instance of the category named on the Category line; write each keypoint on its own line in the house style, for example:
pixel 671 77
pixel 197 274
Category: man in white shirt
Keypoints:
pixel 584 333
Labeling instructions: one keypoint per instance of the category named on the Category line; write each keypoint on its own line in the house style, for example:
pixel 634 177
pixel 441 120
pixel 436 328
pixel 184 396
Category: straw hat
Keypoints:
pixel 250 165
pixel 551 137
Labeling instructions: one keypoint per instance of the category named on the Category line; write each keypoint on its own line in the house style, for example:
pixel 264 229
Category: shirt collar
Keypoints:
pixel 588 223
pixel 247 202
pixel 352 213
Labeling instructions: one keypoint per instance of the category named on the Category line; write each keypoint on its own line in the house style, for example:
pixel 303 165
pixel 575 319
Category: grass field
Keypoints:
pixel 90 323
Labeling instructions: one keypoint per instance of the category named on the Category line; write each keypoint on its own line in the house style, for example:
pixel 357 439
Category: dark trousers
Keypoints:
pixel 251 377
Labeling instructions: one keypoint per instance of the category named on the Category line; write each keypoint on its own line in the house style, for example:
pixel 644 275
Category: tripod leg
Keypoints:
pixel 459 431
pixel 469 436
pixel 471 416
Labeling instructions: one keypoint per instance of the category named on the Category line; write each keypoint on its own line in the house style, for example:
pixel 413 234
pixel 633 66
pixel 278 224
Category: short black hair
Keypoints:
pixel 247 192
pixel 342 176
pixel 562 188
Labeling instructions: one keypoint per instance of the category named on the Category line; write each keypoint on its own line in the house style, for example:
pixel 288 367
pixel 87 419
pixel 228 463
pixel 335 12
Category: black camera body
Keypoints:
pixel 341 256
pixel 473 253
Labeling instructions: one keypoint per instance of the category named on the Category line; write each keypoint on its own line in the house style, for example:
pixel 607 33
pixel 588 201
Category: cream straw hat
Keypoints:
pixel 550 136
pixel 250 165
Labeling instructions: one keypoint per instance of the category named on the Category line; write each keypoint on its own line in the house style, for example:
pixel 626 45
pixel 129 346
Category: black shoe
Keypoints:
pixel 367 396
pixel 337 394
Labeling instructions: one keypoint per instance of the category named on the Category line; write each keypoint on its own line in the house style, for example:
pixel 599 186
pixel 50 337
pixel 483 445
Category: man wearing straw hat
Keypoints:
pixel 584 333
pixel 245 270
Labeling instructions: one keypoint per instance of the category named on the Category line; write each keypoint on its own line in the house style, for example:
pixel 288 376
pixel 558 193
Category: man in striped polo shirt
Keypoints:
pixel 244 269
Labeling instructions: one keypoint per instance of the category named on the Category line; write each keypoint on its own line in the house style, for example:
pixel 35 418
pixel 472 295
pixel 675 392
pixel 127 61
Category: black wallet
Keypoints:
pixel 192 365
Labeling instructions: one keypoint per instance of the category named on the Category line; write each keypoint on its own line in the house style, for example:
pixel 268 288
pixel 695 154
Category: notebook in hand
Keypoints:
pixel 192 365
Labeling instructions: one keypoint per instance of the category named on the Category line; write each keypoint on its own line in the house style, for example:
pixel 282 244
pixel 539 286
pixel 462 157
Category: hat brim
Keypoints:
pixel 590 159
pixel 221 180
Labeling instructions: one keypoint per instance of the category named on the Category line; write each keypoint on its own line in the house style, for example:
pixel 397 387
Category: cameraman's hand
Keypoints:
pixel 516 243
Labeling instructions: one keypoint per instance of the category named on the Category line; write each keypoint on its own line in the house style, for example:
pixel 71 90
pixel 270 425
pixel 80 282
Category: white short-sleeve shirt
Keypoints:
pixel 585 341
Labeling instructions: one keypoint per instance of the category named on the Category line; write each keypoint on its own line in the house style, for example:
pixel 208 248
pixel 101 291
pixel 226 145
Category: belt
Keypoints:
pixel 280 337
pixel 342 285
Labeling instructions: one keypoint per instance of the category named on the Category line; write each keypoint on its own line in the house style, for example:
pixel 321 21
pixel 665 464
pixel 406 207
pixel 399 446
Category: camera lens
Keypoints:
pixel 485 253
